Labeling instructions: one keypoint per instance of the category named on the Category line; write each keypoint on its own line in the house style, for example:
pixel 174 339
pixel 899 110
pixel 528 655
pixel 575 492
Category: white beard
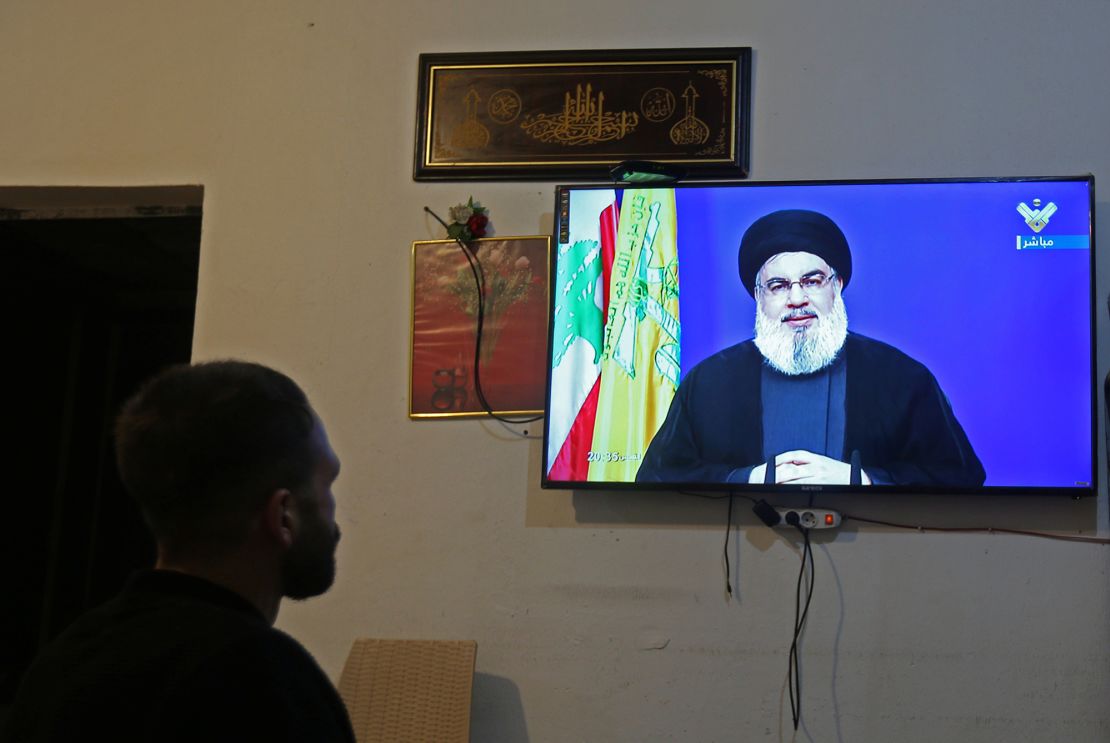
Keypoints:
pixel 805 350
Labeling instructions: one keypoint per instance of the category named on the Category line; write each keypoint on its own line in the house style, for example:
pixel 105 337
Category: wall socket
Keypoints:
pixel 810 518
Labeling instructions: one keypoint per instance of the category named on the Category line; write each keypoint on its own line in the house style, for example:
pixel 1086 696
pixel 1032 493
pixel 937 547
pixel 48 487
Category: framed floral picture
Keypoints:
pixel 511 358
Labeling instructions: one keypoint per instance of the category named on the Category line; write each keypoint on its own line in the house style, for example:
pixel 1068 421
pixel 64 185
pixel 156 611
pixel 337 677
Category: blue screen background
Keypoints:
pixel 937 274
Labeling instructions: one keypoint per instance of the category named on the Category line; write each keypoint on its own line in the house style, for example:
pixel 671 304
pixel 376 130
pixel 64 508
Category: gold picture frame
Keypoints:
pixel 513 354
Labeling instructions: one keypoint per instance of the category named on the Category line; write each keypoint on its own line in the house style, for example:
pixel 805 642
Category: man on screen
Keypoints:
pixel 806 399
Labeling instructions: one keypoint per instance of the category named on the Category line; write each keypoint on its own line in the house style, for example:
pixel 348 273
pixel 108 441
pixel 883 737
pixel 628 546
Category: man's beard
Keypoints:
pixel 309 567
pixel 805 350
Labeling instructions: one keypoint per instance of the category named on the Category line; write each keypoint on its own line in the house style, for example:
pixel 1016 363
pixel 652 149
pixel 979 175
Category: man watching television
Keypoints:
pixel 806 401
pixel 233 472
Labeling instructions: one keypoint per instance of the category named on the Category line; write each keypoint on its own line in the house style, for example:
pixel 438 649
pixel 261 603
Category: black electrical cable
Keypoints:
pixel 728 529
pixel 801 611
pixel 794 676
pixel 480 288
pixel 471 255
pixel 845 517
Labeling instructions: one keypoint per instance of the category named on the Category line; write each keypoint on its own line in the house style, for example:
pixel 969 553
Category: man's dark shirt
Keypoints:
pixel 895 416
pixel 176 658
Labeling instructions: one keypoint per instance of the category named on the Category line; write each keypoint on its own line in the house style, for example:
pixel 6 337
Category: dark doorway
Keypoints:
pixel 99 291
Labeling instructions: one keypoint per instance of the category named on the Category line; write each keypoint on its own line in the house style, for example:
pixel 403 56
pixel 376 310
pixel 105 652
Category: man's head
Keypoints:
pixel 204 449
pixel 795 263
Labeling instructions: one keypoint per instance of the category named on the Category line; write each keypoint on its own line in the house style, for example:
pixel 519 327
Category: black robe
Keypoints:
pixel 897 417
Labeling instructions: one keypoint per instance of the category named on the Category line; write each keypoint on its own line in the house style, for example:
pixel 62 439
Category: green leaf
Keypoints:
pixel 577 314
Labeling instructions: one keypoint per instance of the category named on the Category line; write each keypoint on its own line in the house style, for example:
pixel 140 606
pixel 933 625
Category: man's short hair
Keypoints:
pixel 201 447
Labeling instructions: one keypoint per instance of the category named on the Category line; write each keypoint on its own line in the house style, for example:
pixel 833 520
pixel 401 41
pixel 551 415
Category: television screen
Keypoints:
pixel 930 336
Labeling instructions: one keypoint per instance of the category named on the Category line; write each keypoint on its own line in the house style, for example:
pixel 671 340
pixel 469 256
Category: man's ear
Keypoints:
pixel 279 518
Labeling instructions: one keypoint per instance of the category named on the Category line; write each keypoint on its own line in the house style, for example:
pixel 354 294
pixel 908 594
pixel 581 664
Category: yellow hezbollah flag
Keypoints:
pixel 640 360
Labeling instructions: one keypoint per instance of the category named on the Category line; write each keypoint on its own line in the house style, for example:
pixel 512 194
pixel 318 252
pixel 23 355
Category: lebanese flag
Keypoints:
pixel 581 304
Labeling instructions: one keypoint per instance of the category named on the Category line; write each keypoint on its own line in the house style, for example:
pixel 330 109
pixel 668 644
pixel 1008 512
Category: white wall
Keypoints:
pixel 297 117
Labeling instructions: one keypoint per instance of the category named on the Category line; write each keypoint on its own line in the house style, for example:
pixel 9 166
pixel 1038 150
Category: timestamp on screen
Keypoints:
pixel 611 456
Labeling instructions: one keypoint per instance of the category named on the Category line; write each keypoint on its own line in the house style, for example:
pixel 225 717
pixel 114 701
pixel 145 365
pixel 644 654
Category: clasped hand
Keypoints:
pixel 800 467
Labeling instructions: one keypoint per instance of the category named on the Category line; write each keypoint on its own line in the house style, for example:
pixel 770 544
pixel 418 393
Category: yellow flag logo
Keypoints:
pixel 640 364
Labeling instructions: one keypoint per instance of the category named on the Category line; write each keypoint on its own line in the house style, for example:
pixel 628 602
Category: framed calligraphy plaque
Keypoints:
pixel 576 114
pixel 512 355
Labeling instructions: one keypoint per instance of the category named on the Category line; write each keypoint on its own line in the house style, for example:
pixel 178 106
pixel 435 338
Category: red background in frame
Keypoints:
pixel 514 337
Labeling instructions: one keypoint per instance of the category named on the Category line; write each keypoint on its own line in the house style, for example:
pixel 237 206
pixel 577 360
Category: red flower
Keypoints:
pixel 477 225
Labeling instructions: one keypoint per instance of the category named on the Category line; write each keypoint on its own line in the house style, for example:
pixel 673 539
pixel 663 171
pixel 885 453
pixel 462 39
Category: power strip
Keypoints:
pixel 808 518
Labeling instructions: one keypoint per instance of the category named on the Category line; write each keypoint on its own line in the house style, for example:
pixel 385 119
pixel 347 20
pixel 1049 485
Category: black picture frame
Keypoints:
pixel 551 115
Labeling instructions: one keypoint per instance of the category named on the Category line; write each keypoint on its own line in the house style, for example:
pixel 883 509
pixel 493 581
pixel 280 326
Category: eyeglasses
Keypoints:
pixel 809 284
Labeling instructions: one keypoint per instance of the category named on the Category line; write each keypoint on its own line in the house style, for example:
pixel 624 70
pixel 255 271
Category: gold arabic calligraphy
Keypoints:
pixel 471 134
pixel 690 129
pixel 583 121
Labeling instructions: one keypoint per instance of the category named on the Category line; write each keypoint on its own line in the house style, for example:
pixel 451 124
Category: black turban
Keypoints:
pixel 793 231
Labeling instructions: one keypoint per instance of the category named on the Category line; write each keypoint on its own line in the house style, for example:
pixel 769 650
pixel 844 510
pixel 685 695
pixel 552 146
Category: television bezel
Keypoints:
pixel 1076 492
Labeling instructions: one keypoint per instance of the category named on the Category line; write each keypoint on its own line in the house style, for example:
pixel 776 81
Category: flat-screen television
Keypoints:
pixel 930 336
